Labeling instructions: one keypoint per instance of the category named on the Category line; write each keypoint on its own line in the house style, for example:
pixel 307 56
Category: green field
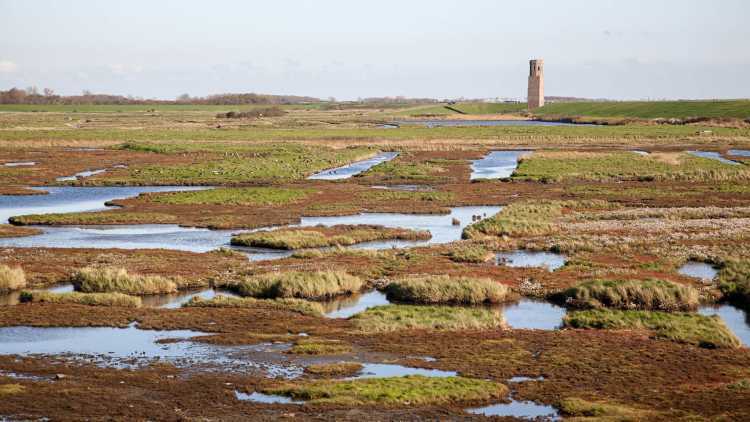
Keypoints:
pixel 135 108
pixel 650 109
pixel 489 108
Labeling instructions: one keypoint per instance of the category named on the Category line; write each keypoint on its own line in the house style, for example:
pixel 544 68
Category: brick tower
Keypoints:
pixel 536 84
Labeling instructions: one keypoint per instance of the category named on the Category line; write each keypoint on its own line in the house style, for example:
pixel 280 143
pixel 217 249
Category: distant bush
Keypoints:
pixel 652 294
pixel 117 280
pixel 11 278
pixel 298 284
pixel 441 289
pixel 76 298
pixel 252 114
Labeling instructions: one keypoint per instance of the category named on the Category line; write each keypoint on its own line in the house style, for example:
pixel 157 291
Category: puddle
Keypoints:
pixel 518 409
pixel 527 259
pixel 406 188
pixel 740 152
pixel 176 300
pixel 713 156
pixel 699 270
pixel 496 165
pixel 354 168
pixel 74 199
pixel 458 123
pixel 19 376
pixel 385 370
pixel 354 304
pixel 640 152
pixel 265 398
pixel 529 314
pixel 525 379
pixel 737 319
pixel 81 175
pixel 21 164
pixel 132 347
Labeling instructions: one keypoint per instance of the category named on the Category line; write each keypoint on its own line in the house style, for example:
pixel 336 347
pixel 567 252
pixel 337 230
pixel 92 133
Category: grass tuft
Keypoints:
pixel 734 280
pixel 655 295
pixel 76 298
pixel 11 278
pixel 298 284
pixel 294 305
pixel 10 389
pixel 118 280
pixel 441 289
pixel 517 219
pixel 474 254
pixel 319 237
pixel 341 369
pixel 319 347
pixel 408 317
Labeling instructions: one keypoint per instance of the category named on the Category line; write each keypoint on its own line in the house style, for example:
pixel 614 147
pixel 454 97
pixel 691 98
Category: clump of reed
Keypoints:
pixel 652 294
pixel 409 317
pixel 298 284
pixel 76 298
pixel 341 369
pixel 690 328
pixel 11 278
pixel 300 306
pixel 473 254
pixel 517 219
pixel 442 289
pixel 118 280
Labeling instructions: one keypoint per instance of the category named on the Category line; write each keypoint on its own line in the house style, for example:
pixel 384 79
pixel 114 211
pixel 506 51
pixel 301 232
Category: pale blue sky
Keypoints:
pixel 633 49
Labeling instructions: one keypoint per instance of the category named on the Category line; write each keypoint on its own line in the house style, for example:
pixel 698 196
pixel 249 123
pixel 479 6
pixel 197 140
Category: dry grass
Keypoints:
pixel 118 280
pixel 76 298
pixel 441 289
pixel 294 305
pixel 11 278
pixel 319 237
pixel 473 254
pixel 409 317
pixel 298 284
pixel 342 369
pixel 655 295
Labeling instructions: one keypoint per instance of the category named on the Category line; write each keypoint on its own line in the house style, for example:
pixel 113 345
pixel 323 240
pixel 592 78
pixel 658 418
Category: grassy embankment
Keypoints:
pixel 441 289
pixel 118 280
pixel 699 330
pixel 595 166
pixel 297 284
pixel 300 306
pixel 739 109
pixel 655 295
pixel 11 278
pixel 405 317
pixel 734 280
pixel 409 390
pixel 76 298
pixel 319 237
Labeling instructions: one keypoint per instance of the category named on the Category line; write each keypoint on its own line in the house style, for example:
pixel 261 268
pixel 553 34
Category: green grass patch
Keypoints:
pixel 294 305
pixel 391 195
pixel 699 330
pixel 490 108
pixel 319 347
pixel 409 390
pixel 517 219
pixel 734 280
pixel 93 218
pixel 474 254
pixel 650 109
pixel 576 407
pixel 654 295
pixel 76 298
pixel 319 237
pixel 341 369
pixel 234 196
pixel 298 284
pixel 442 289
pixel 408 317
pixel 118 280
pixel 11 278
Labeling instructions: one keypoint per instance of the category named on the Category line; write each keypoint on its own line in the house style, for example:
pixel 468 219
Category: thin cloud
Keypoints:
pixel 7 66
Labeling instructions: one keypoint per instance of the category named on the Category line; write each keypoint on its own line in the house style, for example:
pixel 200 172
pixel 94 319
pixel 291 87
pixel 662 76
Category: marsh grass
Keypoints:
pixel 319 347
pixel 517 219
pixel 576 407
pixel 319 237
pixel 76 298
pixel 86 218
pixel 408 317
pixel 654 295
pixel 699 330
pixel 294 305
pixel 118 280
pixel 442 289
pixel 734 280
pixel 408 390
pixel 390 195
pixel 11 389
pixel 298 284
pixel 474 254
pixel 252 196
pixel 341 369
pixel 398 170
pixel 11 278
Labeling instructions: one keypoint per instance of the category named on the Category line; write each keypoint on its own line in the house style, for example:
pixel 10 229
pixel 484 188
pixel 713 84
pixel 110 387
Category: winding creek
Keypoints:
pixel 357 167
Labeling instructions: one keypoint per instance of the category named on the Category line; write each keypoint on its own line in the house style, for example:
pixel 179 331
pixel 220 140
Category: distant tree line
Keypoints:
pixel 33 95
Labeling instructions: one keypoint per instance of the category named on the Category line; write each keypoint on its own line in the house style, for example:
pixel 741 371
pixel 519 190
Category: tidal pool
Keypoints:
pixel 80 175
pixel 64 199
pixel 496 165
pixel 385 370
pixel 525 259
pixel 349 170
pixel 458 123
pixel 713 155
pixel 406 188
pixel 737 319
pixel 740 152
pixel 529 314
pixel 20 164
pixel 519 409
pixel 640 152
pixel 176 300
pixel 354 304
pixel 699 270
pixel 265 398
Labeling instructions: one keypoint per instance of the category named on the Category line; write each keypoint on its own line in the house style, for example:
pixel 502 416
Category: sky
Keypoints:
pixel 635 49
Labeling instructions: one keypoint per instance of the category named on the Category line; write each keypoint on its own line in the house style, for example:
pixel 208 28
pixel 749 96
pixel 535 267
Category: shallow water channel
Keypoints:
pixel 528 259
pixel 496 165
pixel 357 167
pixel 713 156
pixel 481 123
